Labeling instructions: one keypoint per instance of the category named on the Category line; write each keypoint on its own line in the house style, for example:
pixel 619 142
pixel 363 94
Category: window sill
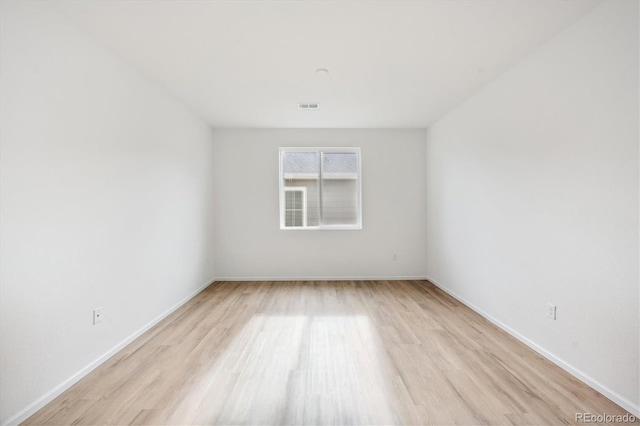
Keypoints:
pixel 322 228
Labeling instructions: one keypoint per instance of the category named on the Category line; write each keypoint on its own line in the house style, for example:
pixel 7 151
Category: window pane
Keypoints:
pixel 288 199
pixel 340 162
pixel 289 216
pixel 294 207
pixel 297 202
pixel 301 162
pixel 297 219
pixel 302 169
pixel 340 188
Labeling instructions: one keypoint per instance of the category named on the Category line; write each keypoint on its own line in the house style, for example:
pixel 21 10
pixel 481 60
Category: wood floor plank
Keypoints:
pixel 325 352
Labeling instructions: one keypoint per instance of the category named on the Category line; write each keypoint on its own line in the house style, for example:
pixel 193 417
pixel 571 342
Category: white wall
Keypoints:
pixel 532 197
pixel 106 201
pixel 249 243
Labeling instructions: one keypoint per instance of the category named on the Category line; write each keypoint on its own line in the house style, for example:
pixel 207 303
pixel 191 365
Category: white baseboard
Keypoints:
pixel 44 400
pixel 325 278
pixel 631 407
pixel 55 392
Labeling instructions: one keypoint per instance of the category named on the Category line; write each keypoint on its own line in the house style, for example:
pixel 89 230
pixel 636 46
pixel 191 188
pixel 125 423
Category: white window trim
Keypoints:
pixel 304 204
pixel 320 150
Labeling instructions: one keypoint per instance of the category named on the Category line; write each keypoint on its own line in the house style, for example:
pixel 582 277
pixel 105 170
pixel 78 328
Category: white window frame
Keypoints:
pixel 320 151
pixel 304 204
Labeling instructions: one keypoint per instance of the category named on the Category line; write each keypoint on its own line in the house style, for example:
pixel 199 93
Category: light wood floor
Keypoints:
pixel 362 353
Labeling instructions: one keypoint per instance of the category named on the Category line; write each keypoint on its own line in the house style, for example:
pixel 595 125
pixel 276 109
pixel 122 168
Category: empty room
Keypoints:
pixel 319 212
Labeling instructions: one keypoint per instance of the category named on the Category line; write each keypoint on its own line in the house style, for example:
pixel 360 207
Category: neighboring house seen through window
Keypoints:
pixel 295 206
pixel 320 188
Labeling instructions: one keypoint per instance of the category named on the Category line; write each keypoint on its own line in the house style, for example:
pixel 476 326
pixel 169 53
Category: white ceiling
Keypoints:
pixel 392 63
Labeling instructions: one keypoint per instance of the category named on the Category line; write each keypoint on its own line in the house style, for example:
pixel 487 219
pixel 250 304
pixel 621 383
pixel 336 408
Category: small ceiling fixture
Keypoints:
pixel 308 106
pixel 323 72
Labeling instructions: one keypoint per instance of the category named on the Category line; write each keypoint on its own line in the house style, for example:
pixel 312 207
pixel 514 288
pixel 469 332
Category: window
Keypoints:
pixel 320 188
pixel 295 206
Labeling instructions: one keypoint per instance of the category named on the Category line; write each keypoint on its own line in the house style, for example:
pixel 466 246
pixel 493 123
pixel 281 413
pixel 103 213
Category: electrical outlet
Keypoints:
pixel 97 315
pixel 551 311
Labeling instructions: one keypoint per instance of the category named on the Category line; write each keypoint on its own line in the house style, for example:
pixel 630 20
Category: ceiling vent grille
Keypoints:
pixel 308 106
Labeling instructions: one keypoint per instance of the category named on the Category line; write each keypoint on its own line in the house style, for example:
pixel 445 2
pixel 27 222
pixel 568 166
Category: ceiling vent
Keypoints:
pixel 308 106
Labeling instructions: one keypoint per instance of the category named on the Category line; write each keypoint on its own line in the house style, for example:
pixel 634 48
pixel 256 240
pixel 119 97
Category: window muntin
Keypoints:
pixel 331 181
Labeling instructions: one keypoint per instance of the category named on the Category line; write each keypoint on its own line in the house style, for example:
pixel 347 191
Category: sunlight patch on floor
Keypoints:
pixel 299 370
